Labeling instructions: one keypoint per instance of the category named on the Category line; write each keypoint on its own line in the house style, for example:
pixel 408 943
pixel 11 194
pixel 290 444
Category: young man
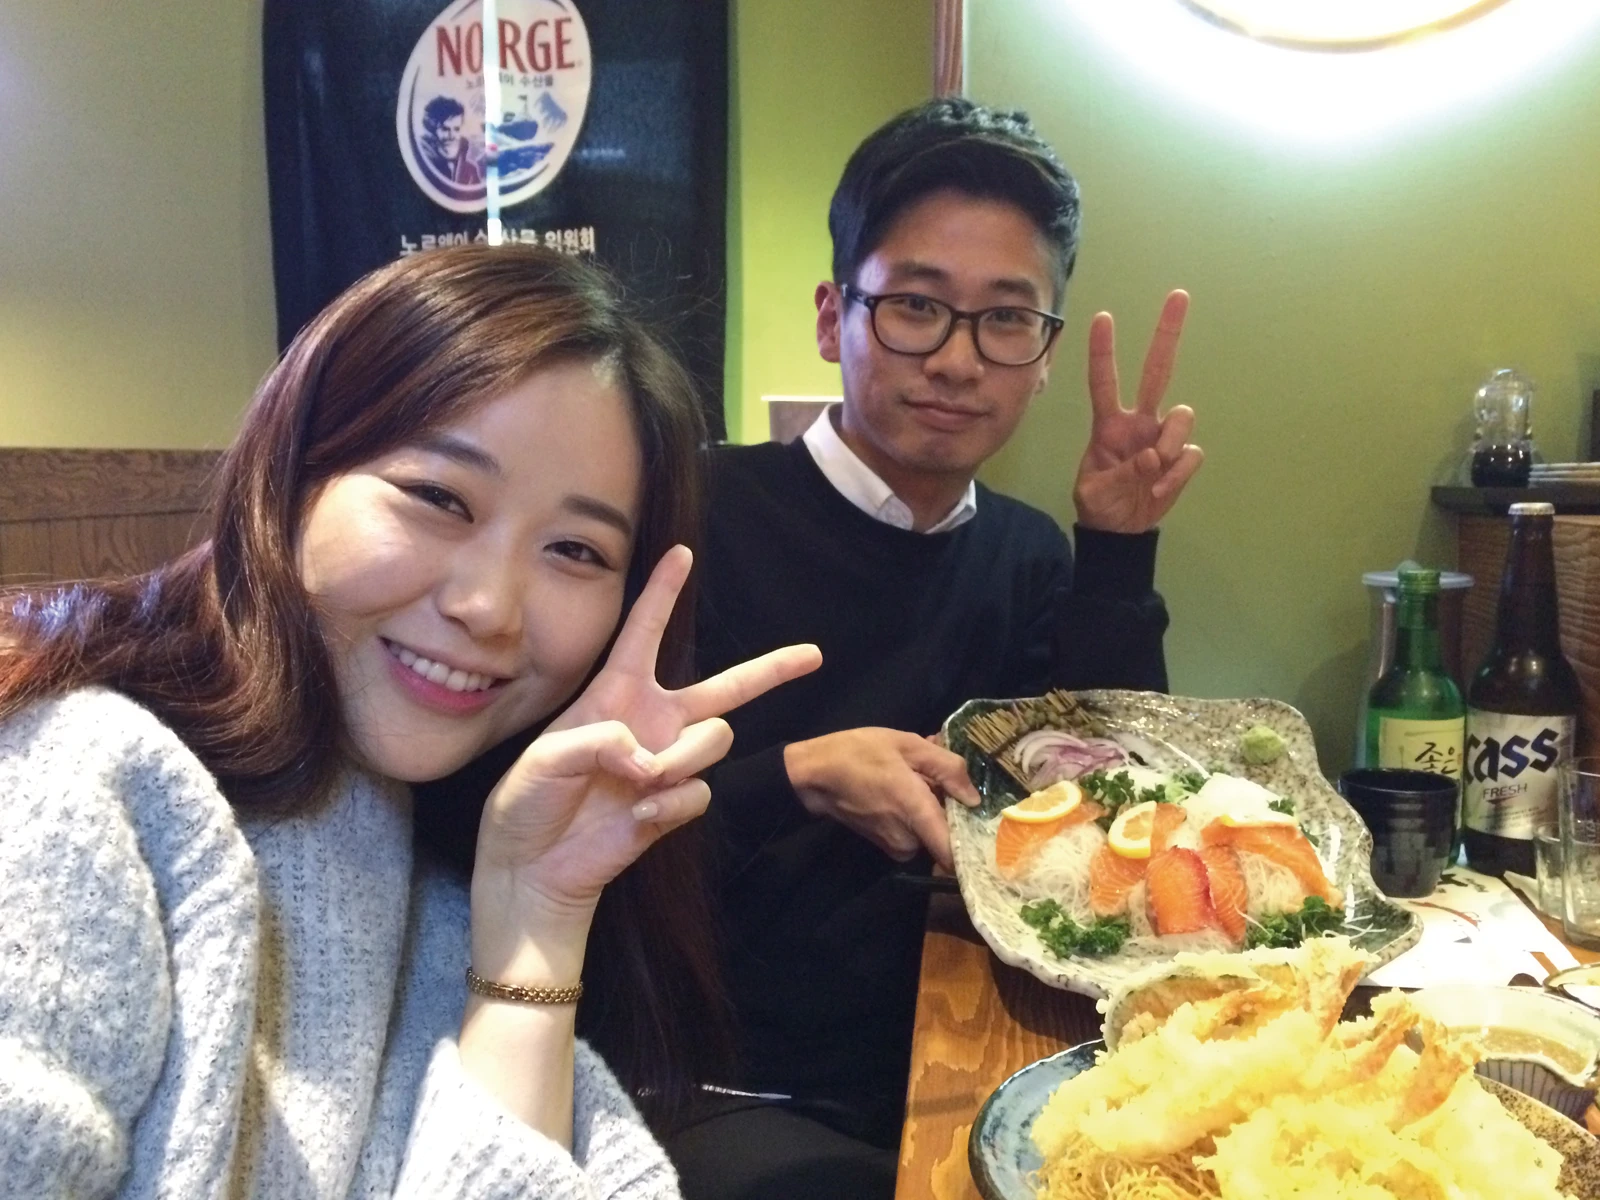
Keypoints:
pixel 954 232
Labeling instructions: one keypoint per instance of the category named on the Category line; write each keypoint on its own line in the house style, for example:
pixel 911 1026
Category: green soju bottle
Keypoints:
pixel 1415 715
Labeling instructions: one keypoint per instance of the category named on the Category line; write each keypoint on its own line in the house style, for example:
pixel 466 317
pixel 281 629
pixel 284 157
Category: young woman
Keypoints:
pixel 222 970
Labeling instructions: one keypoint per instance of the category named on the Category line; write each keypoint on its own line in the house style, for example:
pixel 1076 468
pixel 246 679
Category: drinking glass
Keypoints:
pixel 1578 809
pixel 1547 858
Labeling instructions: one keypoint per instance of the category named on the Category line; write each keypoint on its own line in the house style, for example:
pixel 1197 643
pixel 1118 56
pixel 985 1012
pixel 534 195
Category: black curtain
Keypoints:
pixel 641 187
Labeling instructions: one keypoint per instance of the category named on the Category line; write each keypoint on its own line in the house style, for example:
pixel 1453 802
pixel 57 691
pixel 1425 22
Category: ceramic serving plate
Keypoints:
pixel 1169 733
pixel 1003 1159
pixel 1000 1149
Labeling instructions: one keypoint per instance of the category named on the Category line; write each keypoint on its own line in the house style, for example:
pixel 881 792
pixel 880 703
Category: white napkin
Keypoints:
pixel 1474 930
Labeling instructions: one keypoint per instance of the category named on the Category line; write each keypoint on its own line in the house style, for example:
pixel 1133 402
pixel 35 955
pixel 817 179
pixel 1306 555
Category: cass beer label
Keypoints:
pixel 1422 745
pixel 542 53
pixel 1509 771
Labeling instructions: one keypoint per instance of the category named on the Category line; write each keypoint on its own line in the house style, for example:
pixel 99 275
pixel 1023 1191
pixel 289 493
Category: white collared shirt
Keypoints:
pixel 860 484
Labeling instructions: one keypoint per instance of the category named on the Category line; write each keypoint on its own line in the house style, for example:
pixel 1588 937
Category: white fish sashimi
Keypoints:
pixel 1228 795
pixel 1154 752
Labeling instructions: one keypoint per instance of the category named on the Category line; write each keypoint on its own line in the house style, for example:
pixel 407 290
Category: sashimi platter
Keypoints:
pixel 1120 828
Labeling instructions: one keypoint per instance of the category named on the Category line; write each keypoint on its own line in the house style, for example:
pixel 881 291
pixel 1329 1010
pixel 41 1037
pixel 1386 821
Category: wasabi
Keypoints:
pixel 1260 745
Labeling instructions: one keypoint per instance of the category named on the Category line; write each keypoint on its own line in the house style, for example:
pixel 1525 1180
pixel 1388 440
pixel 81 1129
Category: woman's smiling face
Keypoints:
pixel 465 583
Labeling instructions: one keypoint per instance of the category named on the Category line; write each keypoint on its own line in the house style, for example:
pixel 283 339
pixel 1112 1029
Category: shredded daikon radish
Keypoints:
pixel 1060 870
pixel 1270 888
pixel 1188 836
pixel 1138 919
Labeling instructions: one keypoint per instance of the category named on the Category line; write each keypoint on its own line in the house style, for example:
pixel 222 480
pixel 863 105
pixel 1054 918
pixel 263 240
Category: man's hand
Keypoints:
pixel 1137 461
pixel 884 785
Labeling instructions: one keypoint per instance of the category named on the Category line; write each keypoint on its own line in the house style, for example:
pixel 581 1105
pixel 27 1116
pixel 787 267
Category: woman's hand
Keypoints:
pixel 613 772
pixel 604 781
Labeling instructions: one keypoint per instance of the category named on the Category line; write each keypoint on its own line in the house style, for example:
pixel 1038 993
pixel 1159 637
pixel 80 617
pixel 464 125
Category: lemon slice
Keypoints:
pixel 1130 832
pixel 1055 802
pixel 1245 820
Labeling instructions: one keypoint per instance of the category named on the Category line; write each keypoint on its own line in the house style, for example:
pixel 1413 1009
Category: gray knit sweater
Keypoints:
pixel 195 1006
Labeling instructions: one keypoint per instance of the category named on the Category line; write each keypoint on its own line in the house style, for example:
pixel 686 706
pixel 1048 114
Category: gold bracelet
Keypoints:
pixel 522 995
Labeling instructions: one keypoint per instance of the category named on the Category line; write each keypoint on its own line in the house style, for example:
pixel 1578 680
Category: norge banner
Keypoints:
pixel 612 142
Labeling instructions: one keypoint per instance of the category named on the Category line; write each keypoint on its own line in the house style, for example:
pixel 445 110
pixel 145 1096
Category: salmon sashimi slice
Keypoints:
pixel 1164 826
pixel 1177 892
pixel 1281 844
pixel 1229 898
pixel 1087 811
pixel 1111 878
pixel 1016 842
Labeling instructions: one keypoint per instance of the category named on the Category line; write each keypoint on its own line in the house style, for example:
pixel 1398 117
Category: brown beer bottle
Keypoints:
pixel 1522 707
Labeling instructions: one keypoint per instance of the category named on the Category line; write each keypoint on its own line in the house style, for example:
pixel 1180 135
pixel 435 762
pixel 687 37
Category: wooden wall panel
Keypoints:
pixel 24 552
pixel 70 558
pixel 51 484
pixel 949 55
pixel 76 514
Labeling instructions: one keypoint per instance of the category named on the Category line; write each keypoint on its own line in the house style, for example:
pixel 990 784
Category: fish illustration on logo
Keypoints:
pixel 545 75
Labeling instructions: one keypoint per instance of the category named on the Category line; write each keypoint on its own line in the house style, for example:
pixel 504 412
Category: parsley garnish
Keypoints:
pixel 1112 792
pixel 1190 781
pixel 1287 930
pixel 1064 937
pixel 1283 805
pixel 1041 912
pixel 1157 795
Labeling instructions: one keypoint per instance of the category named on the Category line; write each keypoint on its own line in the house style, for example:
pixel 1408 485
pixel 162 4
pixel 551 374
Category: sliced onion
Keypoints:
pixel 1049 755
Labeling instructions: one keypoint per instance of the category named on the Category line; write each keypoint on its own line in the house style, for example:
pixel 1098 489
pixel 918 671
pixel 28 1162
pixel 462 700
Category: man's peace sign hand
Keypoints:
pixel 1137 461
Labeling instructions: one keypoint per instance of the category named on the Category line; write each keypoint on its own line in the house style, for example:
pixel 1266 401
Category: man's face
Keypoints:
pixel 450 137
pixel 914 418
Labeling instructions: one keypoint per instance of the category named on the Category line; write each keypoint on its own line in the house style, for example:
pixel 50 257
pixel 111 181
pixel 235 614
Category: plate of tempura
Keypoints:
pixel 1232 1077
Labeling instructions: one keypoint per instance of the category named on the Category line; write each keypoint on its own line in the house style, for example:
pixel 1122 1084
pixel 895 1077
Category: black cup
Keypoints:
pixel 1412 816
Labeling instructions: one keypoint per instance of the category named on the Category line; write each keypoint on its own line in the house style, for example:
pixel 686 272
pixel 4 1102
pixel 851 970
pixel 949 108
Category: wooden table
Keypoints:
pixel 978 1022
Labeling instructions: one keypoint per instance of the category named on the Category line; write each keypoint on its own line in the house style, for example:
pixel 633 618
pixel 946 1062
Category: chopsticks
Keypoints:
pixel 926 883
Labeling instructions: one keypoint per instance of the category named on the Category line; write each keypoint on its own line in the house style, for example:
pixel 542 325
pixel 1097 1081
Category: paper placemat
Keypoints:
pixel 1474 930
pixel 1530 892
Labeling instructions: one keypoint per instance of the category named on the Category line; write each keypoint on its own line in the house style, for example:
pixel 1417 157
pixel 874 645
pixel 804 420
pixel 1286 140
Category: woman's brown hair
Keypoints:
pixel 222 644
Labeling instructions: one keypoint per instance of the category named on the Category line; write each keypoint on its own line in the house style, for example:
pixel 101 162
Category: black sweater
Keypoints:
pixel 823 946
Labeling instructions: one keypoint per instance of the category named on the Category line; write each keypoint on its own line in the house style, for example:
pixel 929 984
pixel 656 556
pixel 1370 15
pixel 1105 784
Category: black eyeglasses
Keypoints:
pixel 908 323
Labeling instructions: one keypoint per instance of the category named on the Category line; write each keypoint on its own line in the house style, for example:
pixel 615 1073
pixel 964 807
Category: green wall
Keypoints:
pixel 811 79
pixel 135 269
pixel 1347 302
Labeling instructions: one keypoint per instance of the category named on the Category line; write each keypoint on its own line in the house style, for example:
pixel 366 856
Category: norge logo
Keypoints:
pixel 545 72
pixel 1489 760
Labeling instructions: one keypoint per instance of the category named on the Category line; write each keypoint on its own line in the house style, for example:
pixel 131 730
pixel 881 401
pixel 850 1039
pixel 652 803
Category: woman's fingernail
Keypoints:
pixel 646 810
pixel 646 761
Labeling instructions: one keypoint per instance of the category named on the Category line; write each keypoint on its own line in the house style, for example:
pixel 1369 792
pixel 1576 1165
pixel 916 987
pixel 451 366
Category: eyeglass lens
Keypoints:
pixel 919 325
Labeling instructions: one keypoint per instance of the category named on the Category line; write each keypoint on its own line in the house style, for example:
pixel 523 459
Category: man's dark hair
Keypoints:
pixel 952 143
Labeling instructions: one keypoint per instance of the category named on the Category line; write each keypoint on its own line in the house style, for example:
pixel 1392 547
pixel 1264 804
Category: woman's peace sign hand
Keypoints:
pixel 616 770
